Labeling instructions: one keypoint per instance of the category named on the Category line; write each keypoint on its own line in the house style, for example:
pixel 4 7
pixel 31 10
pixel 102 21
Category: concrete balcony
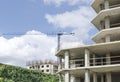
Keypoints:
pixel 77 56
pixel 113 32
pixel 99 61
pixel 99 5
pixel 113 6
pixel 113 14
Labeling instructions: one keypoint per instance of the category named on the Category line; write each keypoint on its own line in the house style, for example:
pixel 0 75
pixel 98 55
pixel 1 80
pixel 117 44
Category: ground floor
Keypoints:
pixel 94 77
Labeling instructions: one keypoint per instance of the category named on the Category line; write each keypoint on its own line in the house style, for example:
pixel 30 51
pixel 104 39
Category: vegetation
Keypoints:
pixel 17 74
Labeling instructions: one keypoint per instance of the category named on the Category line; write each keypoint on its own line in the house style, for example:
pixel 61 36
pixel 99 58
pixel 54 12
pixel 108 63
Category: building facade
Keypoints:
pixel 46 66
pixel 98 62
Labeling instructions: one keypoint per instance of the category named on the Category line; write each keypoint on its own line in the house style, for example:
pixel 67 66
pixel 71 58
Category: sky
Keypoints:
pixel 28 28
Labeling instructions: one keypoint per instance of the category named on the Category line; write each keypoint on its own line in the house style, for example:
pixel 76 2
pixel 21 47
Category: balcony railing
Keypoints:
pixel 76 63
pixel 115 25
pixel 113 6
pixel 103 61
pixel 96 61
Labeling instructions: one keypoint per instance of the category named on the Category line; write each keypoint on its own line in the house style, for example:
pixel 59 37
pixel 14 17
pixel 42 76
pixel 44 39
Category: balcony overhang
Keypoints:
pixel 106 68
pixel 103 14
pixel 80 71
pixel 113 32
pixel 95 5
pixel 99 49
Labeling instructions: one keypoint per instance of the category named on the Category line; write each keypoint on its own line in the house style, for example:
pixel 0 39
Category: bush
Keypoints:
pixel 18 74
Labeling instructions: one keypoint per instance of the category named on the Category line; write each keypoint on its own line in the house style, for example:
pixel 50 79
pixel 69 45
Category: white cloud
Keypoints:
pixel 69 2
pixel 78 20
pixel 18 50
pixel 55 2
pixel 34 45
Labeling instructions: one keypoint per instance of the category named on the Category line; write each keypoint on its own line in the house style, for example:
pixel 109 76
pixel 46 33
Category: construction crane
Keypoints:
pixel 59 38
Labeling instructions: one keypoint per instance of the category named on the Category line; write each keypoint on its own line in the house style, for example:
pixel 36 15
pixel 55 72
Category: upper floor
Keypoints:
pixel 97 55
pixel 111 34
pixel 109 18
pixel 99 5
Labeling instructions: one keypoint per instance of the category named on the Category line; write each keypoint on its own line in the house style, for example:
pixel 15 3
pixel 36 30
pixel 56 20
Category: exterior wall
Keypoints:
pixel 46 68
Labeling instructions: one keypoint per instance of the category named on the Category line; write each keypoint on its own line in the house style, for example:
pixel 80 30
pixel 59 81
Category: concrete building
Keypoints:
pixel 98 62
pixel 48 67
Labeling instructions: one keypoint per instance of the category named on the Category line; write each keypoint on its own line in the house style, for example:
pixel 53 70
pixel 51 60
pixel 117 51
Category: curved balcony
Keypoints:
pixel 112 13
pixel 113 32
pixel 98 5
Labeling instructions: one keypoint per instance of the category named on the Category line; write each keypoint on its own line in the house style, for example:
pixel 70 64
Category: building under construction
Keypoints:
pixel 47 66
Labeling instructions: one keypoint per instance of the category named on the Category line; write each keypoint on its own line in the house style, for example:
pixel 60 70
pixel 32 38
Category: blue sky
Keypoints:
pixel 42 17
pixel 24 15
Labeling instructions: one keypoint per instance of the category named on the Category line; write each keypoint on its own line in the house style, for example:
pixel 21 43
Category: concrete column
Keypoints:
pixel 108 59
pixel 87 58
pixel 102 78
pixel 66 60
pixel 107 22
pixel 60 78
pixel 94 62
pixel 87 64
pixel 106 4
pixel 66 66
pixel 102 40
pixel 60 63
pixel 107 38
pixel 94 77
pixel 102 25
pixel 73 79
pixel 108 77
pixel 87 75
pixel 67 76
pixel 101 7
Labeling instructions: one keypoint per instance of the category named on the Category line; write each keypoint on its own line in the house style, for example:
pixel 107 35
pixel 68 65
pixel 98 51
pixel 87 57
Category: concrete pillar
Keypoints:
pixel 102 40
pixel 87 75
pixel 67 76
pixel 94 77
pixel 87 64
pixel 108 77
pixel 66 60
pixel 60 78
pixel 108 59
pixel 73 79
pixel 87 58
pixel 60 62
pixel 102 25
pixel 106 4
pixel 101 7
pixel 102 78
pixel 107 38
pixel 107 22
pixel 94 62
pixel 66 66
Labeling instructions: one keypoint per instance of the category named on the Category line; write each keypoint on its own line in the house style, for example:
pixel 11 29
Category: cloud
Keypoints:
pixel 34 45
pixel 18 50
pixel 69 2
pixel 78 20
pixel 55 2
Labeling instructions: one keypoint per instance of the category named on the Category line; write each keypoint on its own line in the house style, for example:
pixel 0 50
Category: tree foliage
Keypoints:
pixel 18 74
